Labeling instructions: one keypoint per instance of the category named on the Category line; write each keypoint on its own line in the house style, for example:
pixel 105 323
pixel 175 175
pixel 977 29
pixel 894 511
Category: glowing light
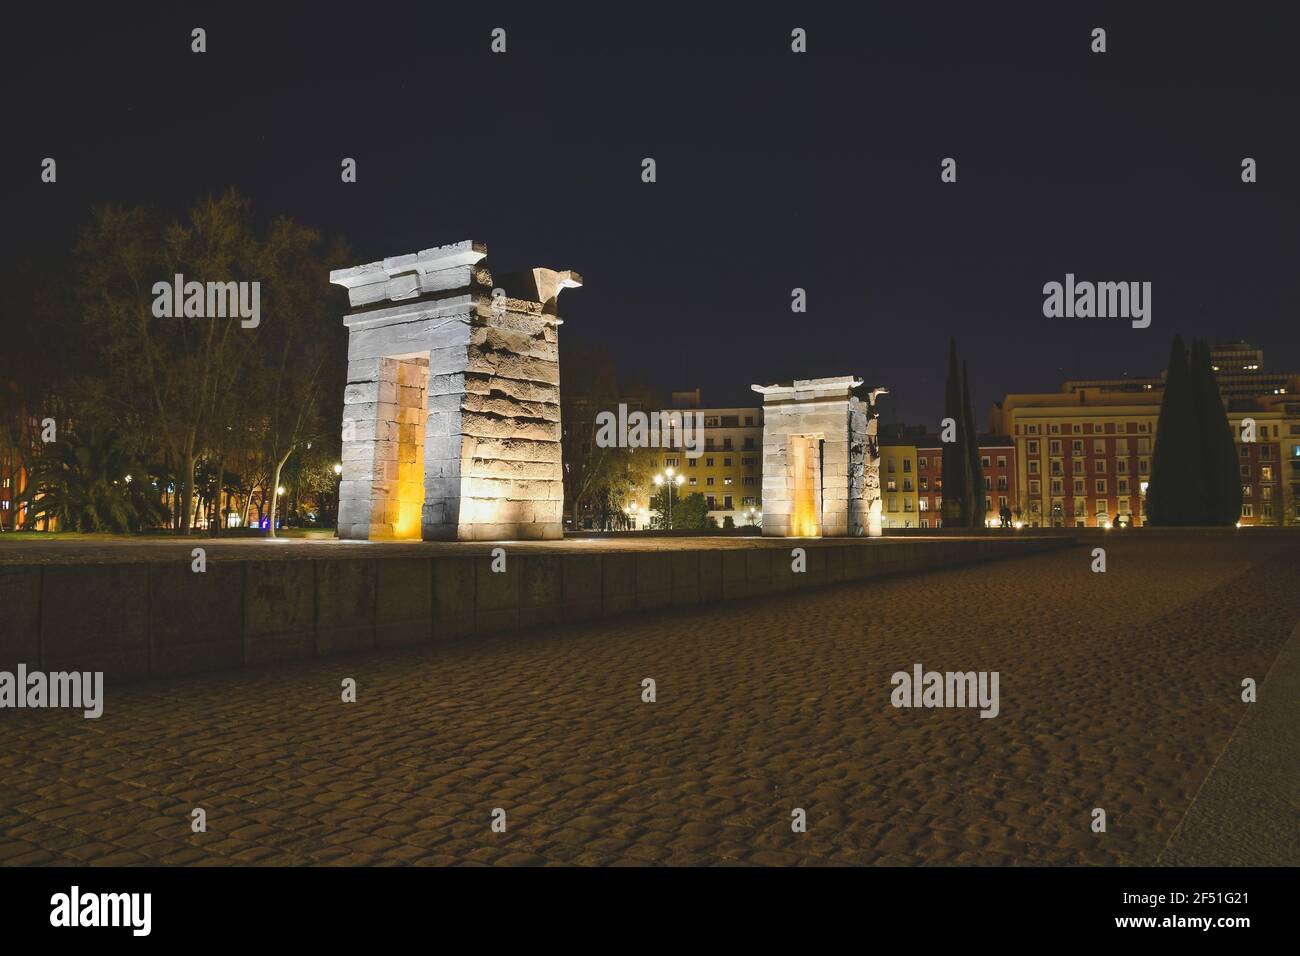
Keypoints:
pixel 280 490
pixel 804 521
pixel 338 469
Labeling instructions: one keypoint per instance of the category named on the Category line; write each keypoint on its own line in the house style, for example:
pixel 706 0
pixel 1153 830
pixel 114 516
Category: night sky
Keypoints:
pixel 775 170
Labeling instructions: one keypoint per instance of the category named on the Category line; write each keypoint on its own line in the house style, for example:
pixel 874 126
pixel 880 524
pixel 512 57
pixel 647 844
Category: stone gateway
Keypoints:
pixel 451 417
pixel 821 459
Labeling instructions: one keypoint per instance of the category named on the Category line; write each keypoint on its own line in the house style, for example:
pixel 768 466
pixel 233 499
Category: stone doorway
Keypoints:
pixel 821 458
pixel 451 412
pixel 806 490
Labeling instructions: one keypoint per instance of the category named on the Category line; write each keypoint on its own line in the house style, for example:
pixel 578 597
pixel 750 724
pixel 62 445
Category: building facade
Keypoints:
pixel 1083 455
pixel 899 481
pixel 728 472
pixel 997 463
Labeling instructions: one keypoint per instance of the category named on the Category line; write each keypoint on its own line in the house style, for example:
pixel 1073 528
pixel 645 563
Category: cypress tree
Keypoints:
pixel 975 489
pixel 1176 494
pixel 1222 478
pixel 956 462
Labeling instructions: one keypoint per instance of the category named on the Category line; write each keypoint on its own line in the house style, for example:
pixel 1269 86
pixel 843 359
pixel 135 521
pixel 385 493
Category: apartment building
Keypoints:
pixel 1083 455
pixel 729 470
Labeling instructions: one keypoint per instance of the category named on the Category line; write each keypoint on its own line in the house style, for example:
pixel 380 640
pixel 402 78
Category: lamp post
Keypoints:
pixel 670 479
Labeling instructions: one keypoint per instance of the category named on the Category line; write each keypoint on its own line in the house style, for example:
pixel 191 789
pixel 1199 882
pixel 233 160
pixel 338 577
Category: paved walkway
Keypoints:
pixel 1118 690
pixel 1247 812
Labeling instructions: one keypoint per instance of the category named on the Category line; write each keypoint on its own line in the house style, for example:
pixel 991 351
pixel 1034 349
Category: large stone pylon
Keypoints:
pixel 821 459
pixel 451 418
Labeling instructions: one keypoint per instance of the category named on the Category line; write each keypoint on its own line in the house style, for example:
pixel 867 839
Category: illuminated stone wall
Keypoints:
pixel 821 460
pixel 451 422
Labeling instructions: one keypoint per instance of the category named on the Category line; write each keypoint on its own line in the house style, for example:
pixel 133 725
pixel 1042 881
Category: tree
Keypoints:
pixel 590 386
pixel 957 476
pixel 975 490
pixel 1219 450
pixel 690 512
pixel 211 388
pixel 1176 492
pixel 90 482
pixel 296 356
pixel 43 359
pixel 596 476
pixel 171 373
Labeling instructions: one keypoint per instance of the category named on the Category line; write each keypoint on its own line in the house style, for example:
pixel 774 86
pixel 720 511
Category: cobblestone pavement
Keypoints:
pixel 1118 690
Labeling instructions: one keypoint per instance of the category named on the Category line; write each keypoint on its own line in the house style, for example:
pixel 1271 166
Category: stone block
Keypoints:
pixel 653 580
pixel 834 559
pixel 454 596
pixel 685 582
pixel 735 577
pixel 20 617
pixel 618 583
pixel 404 606
pixel 582 586
pixel 196 619
pixel 280 611
pixel 782 576
pixel 95 617
pixel 758 570
pixel 345 605
pixel 541 589
pixel 496 602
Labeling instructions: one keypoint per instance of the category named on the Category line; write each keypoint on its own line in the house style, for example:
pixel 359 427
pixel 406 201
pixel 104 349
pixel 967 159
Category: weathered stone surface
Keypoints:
pixel 820 459
pixel 195 618
pixel 404 605
pixel 279 614
pixel 114 638
pixel 20 619
pixel 459 386
pixel 453 596
pixel 345 605
pixel 541 590
pixel 496 600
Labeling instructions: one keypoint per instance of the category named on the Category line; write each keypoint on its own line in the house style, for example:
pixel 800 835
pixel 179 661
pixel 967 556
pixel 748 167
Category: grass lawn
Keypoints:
pixel 234 533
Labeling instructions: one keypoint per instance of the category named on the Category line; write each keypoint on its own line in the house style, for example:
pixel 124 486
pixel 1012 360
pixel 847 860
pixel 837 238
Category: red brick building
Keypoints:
pixel 998 463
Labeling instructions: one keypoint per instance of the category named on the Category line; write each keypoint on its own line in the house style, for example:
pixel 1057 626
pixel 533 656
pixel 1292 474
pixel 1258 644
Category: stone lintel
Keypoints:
pixel 805 389
pixel 402 277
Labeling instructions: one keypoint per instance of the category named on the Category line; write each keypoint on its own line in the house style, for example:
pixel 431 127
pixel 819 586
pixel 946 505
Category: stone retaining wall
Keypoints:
pixel 137 620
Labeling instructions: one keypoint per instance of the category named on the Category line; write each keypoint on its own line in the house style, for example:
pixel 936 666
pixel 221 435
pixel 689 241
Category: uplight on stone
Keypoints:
pixel 451 418
pixel 821 459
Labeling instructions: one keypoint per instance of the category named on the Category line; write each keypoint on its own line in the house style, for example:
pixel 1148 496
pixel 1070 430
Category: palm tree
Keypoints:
pixel 90 482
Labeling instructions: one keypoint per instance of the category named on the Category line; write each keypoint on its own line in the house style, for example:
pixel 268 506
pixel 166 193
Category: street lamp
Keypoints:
pixel 670 479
